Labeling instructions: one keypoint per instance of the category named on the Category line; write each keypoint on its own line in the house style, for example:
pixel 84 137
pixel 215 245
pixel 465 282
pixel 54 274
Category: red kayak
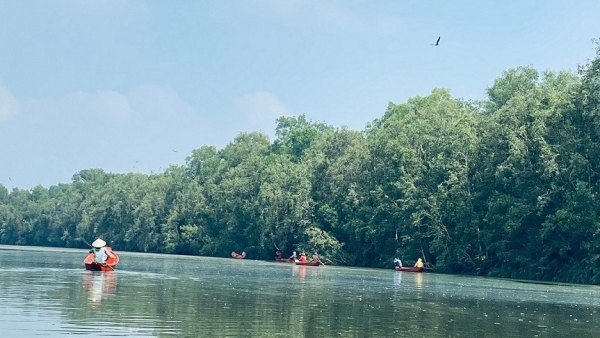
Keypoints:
pixel 317 263
pixel 111 262
pixel 237 255
pixel 408 269
pixel 284 260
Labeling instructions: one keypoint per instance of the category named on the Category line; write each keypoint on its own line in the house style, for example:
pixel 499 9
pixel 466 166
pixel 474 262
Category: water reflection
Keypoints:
pixel 418 281
pixel 160 295
pixel 99 284
pixel 306 273
pixel 301 272
pixel 398 278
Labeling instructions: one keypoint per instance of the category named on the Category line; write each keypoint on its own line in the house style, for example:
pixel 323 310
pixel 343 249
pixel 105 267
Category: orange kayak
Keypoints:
pixel 111 262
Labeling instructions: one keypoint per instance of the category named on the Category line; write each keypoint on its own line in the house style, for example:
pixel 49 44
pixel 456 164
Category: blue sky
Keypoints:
pixel 135 85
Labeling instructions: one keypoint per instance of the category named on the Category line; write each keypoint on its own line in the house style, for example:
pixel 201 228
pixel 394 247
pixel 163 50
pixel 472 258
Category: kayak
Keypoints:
pixel 237 255
pixel 408 269
pixel 317 263
pixel 111 262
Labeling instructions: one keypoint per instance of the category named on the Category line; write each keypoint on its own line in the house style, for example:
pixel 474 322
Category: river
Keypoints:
pixel 46 292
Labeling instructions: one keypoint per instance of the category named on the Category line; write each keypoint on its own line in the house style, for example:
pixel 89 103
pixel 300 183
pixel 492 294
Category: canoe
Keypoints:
pixel 408 269
pixel 308 263
pixel 284 260
pixel 236 255
pixel 111 262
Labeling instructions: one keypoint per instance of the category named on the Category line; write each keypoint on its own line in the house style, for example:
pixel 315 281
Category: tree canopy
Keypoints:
pixel 505 187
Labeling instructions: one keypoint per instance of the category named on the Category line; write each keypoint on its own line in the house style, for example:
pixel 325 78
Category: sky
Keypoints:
pixel 136 85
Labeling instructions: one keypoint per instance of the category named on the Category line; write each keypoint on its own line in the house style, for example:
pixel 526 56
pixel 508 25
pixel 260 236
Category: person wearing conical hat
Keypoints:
pixel 98 243
pixel 99 251
pixel 419 263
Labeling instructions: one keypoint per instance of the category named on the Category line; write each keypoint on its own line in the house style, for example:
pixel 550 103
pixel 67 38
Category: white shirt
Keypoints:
pixel 100 255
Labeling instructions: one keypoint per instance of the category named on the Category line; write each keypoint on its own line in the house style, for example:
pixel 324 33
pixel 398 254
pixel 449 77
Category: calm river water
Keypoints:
pixel 47 292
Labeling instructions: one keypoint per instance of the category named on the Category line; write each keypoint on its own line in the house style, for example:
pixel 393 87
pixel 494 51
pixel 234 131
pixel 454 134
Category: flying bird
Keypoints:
pixel 437 43
pixel 173 150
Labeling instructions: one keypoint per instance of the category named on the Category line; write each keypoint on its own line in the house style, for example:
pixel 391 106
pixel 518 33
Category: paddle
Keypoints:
pixel 330 261
pixel 84 241
pixel 106 263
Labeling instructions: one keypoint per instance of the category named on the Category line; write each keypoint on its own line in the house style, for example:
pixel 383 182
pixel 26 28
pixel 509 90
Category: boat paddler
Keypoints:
pixel 99 251
pixel 303 258
pixel 293 256
pixel 419 263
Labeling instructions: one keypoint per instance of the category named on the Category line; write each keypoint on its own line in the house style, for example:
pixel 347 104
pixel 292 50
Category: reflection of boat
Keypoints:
pixel 302 274
pixel 111 262
pixel 305 272
pixel 419 281
pixel 237 255
pixel 317 263
pixel 397 278
pixel 408 269
pixel 99 285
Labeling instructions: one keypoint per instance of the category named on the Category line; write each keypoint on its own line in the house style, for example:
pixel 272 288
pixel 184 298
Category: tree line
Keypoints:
pixel 507 187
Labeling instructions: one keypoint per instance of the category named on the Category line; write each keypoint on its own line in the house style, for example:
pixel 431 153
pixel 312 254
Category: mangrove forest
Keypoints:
pixel 507 186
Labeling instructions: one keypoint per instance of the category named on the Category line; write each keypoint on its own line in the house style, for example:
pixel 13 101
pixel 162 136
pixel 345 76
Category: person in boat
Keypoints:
pixel 419 263
pixel 397 262
pixel 99 250
pixel 293 256
pixel 278 254
pixel 315 257
pixel 303 258
pixel 243 254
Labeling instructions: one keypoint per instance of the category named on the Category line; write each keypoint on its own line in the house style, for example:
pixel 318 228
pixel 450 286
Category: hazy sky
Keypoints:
pixel 135 85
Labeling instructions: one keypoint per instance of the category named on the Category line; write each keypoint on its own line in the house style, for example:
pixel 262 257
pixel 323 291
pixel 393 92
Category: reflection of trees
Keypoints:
pixel 196 308
pixel 194 298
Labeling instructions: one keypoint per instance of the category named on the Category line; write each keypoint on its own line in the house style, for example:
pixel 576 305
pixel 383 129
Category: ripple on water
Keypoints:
pixel 153 295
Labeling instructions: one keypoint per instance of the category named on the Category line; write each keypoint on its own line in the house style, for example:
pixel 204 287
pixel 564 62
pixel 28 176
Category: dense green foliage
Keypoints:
pixel 506 187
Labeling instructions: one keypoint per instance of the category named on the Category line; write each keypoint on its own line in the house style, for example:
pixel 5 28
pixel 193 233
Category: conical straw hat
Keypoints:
pixel 98 243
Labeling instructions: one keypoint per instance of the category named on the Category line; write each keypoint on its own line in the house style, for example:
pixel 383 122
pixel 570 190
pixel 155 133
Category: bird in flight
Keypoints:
pixel 173 150
pixel 437 43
